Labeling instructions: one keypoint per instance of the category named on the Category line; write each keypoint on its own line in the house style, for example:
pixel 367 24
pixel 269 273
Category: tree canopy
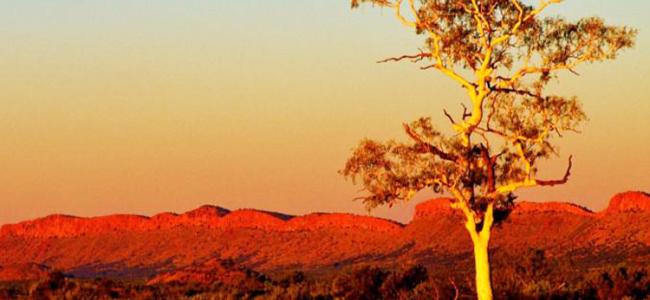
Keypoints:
pixel 503 53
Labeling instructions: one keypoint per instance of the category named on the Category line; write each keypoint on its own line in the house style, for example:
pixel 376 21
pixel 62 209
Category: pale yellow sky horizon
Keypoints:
pixel 131 107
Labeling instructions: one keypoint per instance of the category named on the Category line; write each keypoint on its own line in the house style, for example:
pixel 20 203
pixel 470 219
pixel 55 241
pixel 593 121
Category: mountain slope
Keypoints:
pixel 138 246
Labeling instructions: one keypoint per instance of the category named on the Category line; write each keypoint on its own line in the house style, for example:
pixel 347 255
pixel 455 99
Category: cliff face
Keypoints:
pixel 63 226
pixel 136 246
pixel 636 202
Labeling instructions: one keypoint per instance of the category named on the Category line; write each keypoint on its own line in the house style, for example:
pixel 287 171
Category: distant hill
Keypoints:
pixel 129 246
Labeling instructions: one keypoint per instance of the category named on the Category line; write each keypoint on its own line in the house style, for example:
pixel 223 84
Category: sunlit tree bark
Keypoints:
pixel 503 53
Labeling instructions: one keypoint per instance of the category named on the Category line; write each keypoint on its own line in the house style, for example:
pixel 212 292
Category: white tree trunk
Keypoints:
pixel 480 240
pixel 482 267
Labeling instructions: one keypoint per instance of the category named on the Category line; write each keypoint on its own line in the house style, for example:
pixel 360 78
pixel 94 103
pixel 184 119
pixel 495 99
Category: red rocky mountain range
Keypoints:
pixel 139 246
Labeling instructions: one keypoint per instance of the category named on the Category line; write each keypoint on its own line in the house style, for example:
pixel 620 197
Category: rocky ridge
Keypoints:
pixel 136 246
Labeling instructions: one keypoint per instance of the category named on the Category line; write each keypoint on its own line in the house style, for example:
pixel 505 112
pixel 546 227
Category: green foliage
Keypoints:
pixel 394 171
pixel 551 41
pixel 511 53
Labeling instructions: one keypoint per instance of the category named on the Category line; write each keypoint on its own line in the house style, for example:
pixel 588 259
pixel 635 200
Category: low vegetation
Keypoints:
pixel 532 276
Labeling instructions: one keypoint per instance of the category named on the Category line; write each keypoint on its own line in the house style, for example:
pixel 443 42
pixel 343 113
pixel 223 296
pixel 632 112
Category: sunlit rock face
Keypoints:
pixel 136 246
pixel 629 202
pixel 546 207
pixel 433 208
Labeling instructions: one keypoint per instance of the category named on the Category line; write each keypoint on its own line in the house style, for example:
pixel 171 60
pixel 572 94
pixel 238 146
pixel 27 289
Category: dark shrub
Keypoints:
pixel 363 284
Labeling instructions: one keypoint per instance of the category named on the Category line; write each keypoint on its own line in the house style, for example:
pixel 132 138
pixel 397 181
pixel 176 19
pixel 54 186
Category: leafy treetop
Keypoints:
pixel 503 53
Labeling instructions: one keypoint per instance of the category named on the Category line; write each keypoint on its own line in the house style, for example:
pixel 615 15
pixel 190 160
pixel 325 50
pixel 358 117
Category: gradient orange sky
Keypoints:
pixel 150 106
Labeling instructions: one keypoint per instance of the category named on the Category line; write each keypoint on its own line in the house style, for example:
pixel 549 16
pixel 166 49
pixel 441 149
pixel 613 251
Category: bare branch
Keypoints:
pixel 528 182
pixel 465 113
pixel 564 179
pixel 413 58
pixel 451 119
pixel 508 90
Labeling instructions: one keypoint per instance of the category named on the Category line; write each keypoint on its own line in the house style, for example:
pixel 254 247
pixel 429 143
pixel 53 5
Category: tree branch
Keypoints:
pixel 488 220
pixel 489 164
pixel 450 73
pixel 428 146
pixel 481 23
pixel 440 65
pixel 470 219
pixel 543 5
pixel 515 91
pixel 465 113
pixel 522 155
pixel 527 70
pixel 521 19
pixel 451 119
pixel 413 58
pixel 564 179
pixel 528 182
pixel 398 7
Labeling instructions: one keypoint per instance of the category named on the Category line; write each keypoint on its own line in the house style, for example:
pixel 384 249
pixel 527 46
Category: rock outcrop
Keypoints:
pixel 629 202
pixel 136 246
